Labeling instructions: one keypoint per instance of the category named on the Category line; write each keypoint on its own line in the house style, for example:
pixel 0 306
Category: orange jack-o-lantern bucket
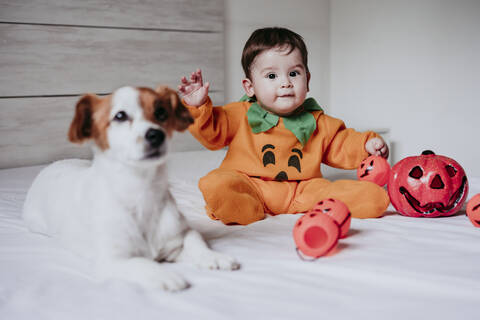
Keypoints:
pixel 338 211
pixel 473 210
pixel 374 169
pixel 317 232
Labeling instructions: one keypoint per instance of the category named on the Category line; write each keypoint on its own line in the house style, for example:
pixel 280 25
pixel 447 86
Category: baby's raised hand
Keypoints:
pixel 377 147
pixel 193 91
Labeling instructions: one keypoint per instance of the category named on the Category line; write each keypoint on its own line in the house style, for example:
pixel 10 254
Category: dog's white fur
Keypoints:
pixel 117 209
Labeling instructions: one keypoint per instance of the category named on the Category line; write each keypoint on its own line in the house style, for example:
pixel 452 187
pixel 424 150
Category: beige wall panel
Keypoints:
pixel 152 14
pixel 52 51
pixel 34 131
pixel 51 60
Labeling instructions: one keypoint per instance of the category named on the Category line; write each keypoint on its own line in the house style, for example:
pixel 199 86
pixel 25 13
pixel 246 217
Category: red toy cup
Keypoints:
pixel 338 211
pixel 316 234
pixel 473 210
pixel 374 169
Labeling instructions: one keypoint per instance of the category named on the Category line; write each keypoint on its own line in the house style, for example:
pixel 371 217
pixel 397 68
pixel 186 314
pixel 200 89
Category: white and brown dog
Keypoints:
pixel 117 209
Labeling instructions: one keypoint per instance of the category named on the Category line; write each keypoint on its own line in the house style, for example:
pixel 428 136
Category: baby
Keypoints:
pixel 277 139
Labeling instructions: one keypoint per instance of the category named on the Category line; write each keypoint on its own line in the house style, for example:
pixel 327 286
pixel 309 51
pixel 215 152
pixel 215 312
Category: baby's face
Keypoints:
pixel 279 80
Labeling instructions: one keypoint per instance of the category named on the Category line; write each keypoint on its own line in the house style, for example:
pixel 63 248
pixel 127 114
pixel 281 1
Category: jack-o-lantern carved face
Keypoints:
pixel 374 169
pixel 427 186
pixel 473 210
pixel 269 158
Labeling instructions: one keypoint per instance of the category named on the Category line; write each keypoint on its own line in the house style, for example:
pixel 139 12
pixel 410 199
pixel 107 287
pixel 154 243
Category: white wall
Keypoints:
pixel 309 18
pixel 411 66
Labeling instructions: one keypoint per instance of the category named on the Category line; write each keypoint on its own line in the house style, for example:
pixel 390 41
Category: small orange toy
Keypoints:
pixel 338 211
pixel 315 234
pixel 374 169
pixel 473 210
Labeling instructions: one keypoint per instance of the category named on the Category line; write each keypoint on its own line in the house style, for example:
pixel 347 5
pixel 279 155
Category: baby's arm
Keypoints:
pixel 345 147
pixel 377 147
pixel 193 91
pixel 213 126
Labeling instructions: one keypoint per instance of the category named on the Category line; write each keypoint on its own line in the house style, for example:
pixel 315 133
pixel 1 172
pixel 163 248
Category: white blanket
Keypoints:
pixel 393 267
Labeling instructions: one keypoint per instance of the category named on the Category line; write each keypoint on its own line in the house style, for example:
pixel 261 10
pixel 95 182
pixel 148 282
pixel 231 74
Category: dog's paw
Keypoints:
pixel 170 282
pixel 164 280
pixel 216 260
pixel 145 273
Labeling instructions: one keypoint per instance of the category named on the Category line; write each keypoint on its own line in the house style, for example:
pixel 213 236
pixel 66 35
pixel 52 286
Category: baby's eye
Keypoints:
pixel 271 76
pixel 294 73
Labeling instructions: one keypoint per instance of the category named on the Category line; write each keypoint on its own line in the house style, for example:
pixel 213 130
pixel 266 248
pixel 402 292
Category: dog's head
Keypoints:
pixel 132 124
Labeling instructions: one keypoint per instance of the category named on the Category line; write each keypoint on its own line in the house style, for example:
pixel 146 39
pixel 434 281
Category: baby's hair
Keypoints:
pixel 268 38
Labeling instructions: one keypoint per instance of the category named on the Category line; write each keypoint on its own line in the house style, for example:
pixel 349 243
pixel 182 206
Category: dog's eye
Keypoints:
pixel 161 114
pixel 121 116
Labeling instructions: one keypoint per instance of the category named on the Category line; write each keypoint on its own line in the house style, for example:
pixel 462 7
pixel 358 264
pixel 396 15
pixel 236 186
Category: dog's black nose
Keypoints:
pixel 155 137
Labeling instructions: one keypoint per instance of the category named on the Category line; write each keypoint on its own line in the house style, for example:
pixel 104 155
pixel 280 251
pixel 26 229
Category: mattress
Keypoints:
pixel 393 267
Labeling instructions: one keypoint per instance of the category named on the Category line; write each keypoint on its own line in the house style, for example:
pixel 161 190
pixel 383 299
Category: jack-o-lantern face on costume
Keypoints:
pixel 269 158
pixel 428 185
pixel 473 210
pixel 374 169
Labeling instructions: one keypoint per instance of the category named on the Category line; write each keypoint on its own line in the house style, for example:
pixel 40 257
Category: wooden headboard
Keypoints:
pixel 53 51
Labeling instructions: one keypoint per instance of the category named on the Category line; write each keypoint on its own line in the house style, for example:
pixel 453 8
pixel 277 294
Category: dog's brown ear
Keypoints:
pixel 82 123
pixel 182 117
pixel 162 90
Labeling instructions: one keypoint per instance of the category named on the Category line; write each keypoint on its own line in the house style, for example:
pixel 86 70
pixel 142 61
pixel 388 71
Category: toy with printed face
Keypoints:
pixel 374 169
pixel 338 211
pixel 428 185
pixel 317 232
pixel 473 210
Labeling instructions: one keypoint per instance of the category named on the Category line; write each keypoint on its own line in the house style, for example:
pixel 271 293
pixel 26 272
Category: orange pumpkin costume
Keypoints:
pixel 245 187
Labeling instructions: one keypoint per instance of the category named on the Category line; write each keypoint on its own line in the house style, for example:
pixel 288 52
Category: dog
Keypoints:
pixel 117 208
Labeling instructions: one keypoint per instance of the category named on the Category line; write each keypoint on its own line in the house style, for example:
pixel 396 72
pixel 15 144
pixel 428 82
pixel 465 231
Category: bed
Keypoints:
pixel 394 267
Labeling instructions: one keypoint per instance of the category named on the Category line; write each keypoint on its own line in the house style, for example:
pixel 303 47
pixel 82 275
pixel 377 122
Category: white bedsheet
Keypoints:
pixel 394 267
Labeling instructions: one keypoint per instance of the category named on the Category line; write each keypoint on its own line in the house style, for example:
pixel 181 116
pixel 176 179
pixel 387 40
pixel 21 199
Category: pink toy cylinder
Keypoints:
pixel 316 234
pixel 338 211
